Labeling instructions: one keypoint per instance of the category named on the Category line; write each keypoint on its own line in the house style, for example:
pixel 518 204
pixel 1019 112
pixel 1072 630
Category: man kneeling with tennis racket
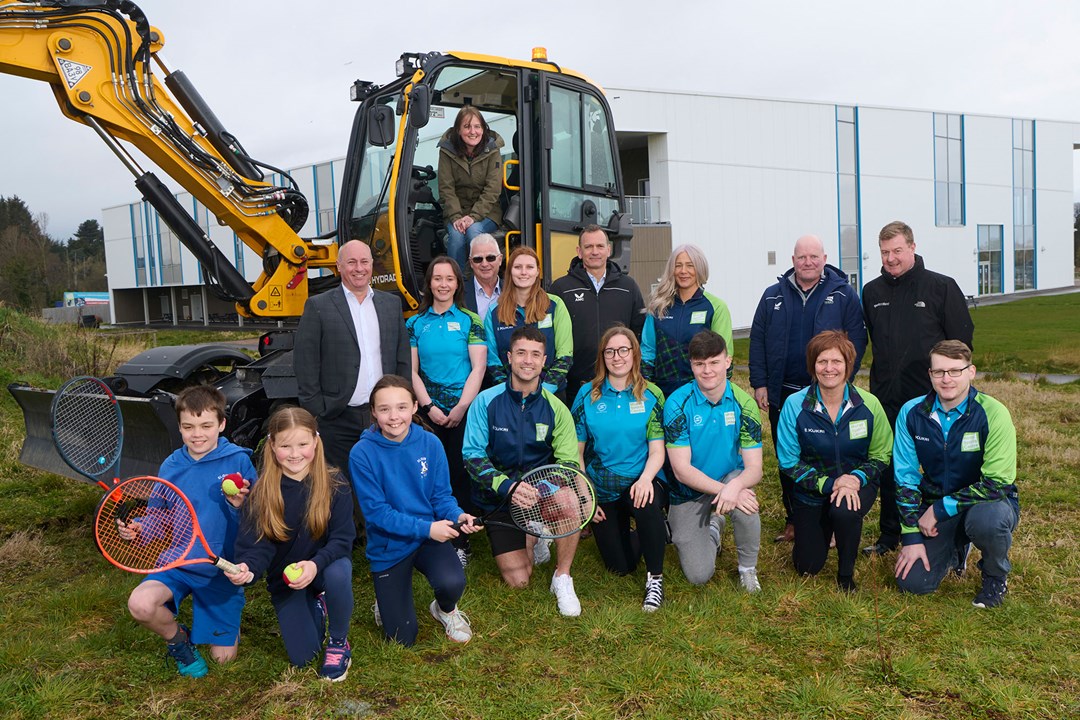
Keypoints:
pixel 197 469
pixel 511 431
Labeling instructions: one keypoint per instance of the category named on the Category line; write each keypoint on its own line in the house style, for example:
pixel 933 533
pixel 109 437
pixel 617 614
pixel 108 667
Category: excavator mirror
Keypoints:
pixel 419 106
pixel 380 126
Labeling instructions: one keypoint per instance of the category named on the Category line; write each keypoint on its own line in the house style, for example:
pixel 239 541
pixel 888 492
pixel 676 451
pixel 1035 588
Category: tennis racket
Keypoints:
pixel 551 501
pixel 147 524
pixel 88 429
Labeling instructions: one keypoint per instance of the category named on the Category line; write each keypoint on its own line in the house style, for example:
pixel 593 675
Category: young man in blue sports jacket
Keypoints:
pixel 954 456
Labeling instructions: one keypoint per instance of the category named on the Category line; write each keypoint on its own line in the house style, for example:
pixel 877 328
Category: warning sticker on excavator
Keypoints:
pixel 73 71
pixel 275 291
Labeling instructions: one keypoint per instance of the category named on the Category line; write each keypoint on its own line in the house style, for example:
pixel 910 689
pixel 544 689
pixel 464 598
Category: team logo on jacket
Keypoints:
pixel 422 462
pixel 601 407
pixel 579 297
pixel 829 300
pixel 777 305
pixel 920 304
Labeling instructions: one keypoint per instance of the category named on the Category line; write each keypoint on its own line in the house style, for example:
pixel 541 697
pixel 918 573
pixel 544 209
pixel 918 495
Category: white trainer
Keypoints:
pixel 563 588
pixel 654 592
pixel 748 579
pixel 456 623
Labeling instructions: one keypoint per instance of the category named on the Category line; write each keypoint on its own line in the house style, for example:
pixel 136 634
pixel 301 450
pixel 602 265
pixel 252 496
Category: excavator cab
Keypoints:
pixel 560 162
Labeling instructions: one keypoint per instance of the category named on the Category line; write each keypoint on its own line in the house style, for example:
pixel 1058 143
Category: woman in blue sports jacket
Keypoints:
pixel 680 309
pixel 834 441
pixel 523 302
pixel 619 419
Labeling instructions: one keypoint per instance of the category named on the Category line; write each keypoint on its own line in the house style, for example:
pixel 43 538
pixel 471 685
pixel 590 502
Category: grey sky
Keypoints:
pixel 278 73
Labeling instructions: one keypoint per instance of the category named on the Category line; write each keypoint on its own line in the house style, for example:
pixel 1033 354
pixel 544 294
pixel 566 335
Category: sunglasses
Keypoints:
pixel 477 259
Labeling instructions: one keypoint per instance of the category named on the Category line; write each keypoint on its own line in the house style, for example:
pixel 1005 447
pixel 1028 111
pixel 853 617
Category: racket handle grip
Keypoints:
pixel 478 522
pixel 226 566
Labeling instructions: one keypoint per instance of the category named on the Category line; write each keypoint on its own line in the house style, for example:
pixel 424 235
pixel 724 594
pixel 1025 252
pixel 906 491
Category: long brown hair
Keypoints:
pixel 637 380
pixel 428 298
pixel 536 306
pixel 267 507
pixel 466 112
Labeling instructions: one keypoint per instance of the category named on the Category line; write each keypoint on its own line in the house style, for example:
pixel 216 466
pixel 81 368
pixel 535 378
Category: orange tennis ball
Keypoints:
pixel 232 484
pixel 292 573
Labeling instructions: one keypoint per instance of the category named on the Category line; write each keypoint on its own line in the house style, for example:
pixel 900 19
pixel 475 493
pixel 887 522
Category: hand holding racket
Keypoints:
pixel 551 501
pixel 88 429
pixel 147 525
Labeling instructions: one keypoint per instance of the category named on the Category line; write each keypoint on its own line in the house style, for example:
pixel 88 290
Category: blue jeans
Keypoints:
pixel 988 526
pixel 457 244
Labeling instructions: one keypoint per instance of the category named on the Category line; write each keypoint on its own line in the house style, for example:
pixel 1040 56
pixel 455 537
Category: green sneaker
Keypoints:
pixel 189 662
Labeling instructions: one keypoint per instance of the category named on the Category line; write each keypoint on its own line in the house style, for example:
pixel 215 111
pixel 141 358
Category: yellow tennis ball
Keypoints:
pixel 292 573
pixel 232 483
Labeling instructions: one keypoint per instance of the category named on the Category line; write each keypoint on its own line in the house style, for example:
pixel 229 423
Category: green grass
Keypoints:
pixel 1034 335
pixel 799 649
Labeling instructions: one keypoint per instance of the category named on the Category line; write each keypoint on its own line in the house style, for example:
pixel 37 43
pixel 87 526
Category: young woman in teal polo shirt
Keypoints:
pixel 619 421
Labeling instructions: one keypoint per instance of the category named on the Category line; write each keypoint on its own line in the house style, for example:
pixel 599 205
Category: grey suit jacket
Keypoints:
pixel 326 357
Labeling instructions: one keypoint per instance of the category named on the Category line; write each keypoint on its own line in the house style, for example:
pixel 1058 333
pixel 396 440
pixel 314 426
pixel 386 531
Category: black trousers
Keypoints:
pixel 889 522
pixel 815 526
pixel 338 436
pixel 621 549
pixel 787 486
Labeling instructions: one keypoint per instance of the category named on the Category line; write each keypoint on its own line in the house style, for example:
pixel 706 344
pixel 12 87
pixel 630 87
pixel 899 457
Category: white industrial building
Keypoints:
pixel 989 198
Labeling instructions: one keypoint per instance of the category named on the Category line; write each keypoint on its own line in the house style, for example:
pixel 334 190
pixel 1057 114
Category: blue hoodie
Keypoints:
pixel 402 487
pixel 201 480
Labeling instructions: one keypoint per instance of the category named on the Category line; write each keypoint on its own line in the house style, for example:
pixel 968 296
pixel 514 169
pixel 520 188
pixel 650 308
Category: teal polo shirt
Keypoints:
pixel 616 429
pixel 442 345
pixel 715 433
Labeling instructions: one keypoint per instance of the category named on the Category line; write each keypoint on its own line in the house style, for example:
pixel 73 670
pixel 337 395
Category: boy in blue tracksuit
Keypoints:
pixel 512 428
pixel 198 469
pixel 955 466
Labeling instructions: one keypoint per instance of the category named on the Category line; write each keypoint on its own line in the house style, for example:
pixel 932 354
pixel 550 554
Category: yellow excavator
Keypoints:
pixel 102 60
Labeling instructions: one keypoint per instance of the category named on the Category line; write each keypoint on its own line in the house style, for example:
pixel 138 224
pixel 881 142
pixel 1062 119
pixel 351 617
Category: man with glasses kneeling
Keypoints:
pixel 954 458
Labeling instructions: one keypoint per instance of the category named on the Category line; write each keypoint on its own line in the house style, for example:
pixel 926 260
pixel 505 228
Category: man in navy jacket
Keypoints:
pixel 809 298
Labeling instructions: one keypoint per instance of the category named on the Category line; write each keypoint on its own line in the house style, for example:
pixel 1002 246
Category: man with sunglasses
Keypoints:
pixel 908 309
pixel 954 458
pixel 482 278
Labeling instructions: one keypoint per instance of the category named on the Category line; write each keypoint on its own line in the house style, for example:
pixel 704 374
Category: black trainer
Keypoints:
pixel 992 593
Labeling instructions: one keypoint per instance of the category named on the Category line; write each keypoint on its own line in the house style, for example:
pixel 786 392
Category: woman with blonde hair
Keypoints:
pixel 522 303
pixel 679 309
pixel 619 420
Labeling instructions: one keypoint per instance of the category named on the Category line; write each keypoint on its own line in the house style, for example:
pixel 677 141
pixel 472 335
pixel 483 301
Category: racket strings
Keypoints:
pixel 166 531
pixel 86 426
pixel 566 502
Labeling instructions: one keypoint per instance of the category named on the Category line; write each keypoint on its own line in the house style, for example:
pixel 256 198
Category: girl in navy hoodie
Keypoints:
pixel 402 482
pixel 299 519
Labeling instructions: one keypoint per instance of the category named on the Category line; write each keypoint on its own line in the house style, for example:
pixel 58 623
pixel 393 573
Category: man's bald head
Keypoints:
pixel 808 259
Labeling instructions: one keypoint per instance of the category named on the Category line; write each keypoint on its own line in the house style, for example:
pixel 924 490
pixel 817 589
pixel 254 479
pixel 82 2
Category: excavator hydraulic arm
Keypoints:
pixel 101 59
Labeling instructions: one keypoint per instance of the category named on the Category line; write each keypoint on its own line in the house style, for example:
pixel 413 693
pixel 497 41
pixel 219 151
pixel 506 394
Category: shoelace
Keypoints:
pixel 457 620
pixel 654 592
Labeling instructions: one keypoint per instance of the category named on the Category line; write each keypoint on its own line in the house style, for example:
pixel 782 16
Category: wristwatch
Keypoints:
pixel 426 408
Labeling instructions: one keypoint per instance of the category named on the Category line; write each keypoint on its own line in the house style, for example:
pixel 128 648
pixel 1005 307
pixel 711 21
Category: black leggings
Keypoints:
pixel 620 548
pixel 815 526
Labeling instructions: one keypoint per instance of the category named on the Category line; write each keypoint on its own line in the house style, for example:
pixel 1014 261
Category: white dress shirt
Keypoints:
pixel 366 322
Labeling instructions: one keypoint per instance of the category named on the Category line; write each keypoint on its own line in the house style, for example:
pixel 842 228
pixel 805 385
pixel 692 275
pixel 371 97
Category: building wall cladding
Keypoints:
pixel 745 177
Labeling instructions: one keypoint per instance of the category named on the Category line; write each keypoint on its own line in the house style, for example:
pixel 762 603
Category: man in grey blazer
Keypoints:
pixel 348 338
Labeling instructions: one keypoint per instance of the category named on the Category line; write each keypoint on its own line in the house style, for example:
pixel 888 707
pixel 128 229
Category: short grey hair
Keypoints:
pixel 484 238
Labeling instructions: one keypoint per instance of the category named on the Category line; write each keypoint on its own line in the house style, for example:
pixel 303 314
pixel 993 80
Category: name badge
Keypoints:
pixel 453 326
pixel 541 432
pixel 970 442
pixel 637 407
pixel 545 322
pixel 697 317
pixel 729 417
pixel 857 429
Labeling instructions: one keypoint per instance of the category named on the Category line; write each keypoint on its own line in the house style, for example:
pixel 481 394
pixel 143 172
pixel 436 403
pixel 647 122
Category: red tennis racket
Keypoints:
pixel 147 525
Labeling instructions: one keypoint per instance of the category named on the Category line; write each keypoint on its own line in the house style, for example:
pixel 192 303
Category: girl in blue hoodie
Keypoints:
pixel 402 482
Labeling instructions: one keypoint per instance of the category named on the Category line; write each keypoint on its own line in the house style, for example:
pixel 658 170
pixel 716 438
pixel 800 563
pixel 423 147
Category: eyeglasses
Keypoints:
pixel 477 259
pixel 620 351
pixel 953 372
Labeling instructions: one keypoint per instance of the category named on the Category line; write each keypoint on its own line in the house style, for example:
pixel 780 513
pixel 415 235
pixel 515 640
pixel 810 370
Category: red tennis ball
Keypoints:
pixel 232 484
pixel 292 573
